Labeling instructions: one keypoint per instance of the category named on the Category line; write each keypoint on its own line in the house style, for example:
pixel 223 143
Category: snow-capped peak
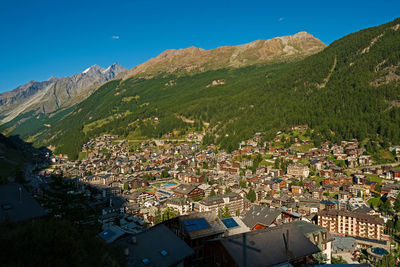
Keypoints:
pixel 104 71
pixel 113 68
pixel 87 70
pixel 95 67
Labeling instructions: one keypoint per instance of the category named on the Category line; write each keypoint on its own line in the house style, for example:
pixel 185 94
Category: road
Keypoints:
pixel 33 179
pixel 373 166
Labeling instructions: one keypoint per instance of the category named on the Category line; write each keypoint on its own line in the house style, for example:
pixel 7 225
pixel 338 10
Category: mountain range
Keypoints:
pixel 55 93
pixel 349 89
pixel 195 60
pixel 35 106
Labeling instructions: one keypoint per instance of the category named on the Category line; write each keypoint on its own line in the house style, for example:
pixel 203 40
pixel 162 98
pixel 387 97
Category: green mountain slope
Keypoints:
pixel 350 89
pixel 29 123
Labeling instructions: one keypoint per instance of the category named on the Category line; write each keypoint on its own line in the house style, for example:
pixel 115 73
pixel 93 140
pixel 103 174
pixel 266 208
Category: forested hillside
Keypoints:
pixel 349 90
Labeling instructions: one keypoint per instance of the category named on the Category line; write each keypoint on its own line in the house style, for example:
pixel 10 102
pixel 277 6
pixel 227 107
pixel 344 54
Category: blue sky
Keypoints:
pixel 44 38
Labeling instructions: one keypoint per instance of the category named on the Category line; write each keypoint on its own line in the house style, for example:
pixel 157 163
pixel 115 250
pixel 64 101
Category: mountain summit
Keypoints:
pixel 93 69
pixel 193 59
pixel 48 96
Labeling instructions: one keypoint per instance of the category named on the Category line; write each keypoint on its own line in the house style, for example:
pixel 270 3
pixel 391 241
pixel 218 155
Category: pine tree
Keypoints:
pixel 212 192
pixel 237 213
pixel 397 226
pixel 251 195
pixel 396 205
pixel 126 186
pixel 276 164
pixel 225 213
pixel 385 206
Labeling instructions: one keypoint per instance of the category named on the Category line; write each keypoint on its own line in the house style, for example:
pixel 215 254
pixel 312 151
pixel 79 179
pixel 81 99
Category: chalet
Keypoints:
pixel 316 164
pixel 236 164
pixel 262 170
pixel 338 180
pixel 352 151
pixel 359 179
pixel 228 170
pixel 387 188
pixel 248 173
pixel 253 180
pixel 352 162
pixel 364 160
pixel 181 205
pixel 278 184
pixel 194 178
pixel 330 204
pixel 282 200
pixel 137 183
pixel 296 189
pixel 396 175
pixel 268 184
pixel 188 191
pixel 358 190
pixel 139 197
pixel 276 172
pixel 330 188
pixel 341 156
pixel 309 184
pixel 326 173
pixel 259 217
pixel 337 149
pixel 317 193
pixel 259 194
pixel 337 170
pixel 309 207
pixel 343 195
pixel 206 188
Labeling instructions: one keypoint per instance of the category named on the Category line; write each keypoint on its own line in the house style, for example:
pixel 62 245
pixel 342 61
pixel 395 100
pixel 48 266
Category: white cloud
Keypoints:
pixel 115 37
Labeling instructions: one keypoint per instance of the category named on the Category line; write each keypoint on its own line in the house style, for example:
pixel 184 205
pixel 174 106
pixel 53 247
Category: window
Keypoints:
pixel 323 236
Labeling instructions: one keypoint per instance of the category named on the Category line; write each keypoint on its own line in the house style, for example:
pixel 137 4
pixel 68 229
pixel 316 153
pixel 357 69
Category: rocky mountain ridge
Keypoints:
pixel 48 96
pixel 193 59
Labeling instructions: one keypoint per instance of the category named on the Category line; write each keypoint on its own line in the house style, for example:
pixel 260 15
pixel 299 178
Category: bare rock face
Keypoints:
pixel 47 96
pixel 195 59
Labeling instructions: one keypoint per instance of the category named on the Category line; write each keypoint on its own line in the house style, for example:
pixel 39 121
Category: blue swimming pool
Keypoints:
pixel 166 185
pixel 380 251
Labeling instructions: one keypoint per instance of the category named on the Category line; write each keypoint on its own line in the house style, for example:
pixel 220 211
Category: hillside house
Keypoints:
pixel 188 191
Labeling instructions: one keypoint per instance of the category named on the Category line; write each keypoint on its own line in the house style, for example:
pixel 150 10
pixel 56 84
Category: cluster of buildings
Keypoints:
pixel 265 190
